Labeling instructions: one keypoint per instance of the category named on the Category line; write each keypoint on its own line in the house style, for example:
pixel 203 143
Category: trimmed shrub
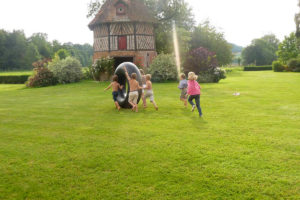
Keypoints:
pixel 102 69
pixel 212 76
pixel 163 68
pixel 200 60
pixel 278 66
pixel 258 68
pixel 67 70
pixel 61 54
pixel 87 73
pixel 294 65
pixel 42 77
pixel 14 79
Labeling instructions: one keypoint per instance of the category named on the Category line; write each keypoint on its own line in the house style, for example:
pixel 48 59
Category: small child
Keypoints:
pixel 134 87
pixel 144 85
pixel 194 92
pixel 115 88
pixel 149 91
pixel 183 87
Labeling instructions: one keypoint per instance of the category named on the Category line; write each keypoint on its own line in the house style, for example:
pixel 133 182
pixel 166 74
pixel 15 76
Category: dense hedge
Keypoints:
pixel 21 79
pixel 258 68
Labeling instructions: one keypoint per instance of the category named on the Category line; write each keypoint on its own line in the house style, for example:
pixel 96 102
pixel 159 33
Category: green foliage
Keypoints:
pixel 200 60
pixel 87 73
pixel 67 70
pixel 207 36
pixel 62 54
pixel 83 53
pixel 258 68
pixel 278 66
pixel 288 49
pixel 21 79
pixel 42 77
pixel 294 65
pixel 212 76
pixel 15 51
pixel 102 67
pixel 18 52
pixel 236 48
pixel 262 51
pixel 163 68
pixel 43 46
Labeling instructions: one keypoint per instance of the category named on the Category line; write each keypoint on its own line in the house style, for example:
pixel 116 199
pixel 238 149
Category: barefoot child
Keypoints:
pixel 149 91
pixel 134 87
pixel 115 88
pixel 144 85
pixel 194 92
pixel 183 87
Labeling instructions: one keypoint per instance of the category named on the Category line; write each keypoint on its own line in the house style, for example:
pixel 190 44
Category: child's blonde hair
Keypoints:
pixel 142 71
pixel 148 77
pixel 192 76
pixel 133 75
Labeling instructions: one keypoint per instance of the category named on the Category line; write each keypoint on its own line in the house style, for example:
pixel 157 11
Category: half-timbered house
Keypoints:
pixel 124 30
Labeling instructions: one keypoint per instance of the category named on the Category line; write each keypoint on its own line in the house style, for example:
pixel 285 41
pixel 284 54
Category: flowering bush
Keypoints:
pixel 212 76
pixel 42 77
pixel 163 68
pixel 200 60
pixel 67 70
pixel 102 68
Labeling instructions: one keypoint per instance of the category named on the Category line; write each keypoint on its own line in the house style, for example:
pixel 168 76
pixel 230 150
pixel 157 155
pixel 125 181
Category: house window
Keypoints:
pixel 121 9
pixel 122 43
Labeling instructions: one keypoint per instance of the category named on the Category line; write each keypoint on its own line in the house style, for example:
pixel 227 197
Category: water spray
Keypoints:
pixel 176 49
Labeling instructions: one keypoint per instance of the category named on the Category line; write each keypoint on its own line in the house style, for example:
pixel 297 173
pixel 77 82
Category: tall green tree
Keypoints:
pixel 297 21
pixel 288 49
pixel 15 47
pixel 262 51
pixel 3 38
pixel 41 42
pixel 205 35
pixel 32 55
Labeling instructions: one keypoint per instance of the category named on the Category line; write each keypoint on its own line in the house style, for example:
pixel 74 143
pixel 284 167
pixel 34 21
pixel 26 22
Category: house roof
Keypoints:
pixel 137 12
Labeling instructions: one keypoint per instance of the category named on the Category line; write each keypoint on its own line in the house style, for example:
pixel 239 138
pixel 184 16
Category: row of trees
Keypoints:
pixel 18 52
pixel 190 36
pixel 265 50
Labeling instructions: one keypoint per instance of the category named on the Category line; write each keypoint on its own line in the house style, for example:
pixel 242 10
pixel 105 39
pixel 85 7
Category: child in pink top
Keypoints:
pixel 194 92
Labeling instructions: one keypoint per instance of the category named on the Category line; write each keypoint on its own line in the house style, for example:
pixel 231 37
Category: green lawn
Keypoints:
pixel 17 73
pixel 68 142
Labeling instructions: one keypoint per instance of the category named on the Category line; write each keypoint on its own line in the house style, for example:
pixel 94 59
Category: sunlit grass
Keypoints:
pixel 69 142
pixel 15 73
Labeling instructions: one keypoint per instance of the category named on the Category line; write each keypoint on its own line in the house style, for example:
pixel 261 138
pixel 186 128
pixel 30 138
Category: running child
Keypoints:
pixel 134 87
pixel 149 91
pixel 144 85
pixel 115 88
pixel 194 92
pixel 183 84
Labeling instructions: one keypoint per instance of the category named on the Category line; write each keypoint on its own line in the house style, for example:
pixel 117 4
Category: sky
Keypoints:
pixel 241 21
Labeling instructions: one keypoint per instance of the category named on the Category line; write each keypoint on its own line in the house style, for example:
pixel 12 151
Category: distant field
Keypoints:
pixel 17 73
pixel 69 142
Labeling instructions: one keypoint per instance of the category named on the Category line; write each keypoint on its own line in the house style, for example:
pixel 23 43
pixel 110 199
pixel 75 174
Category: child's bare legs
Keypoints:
pixel 132 104
pixel 117 105
pixel 144 100
pixel 185 102
pixel 136 108
pixel 154 104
